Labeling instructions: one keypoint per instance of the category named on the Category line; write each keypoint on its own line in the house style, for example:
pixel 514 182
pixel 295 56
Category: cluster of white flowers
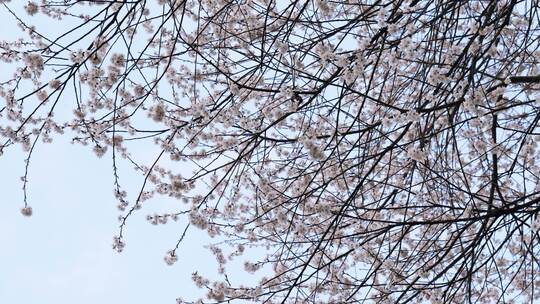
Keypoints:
pixel 161 219
pixel 314 150
pixel 381 17
pixel 100 150
pixel 234 89
pixel 34 62
pixel 251 267
pixel 416 153
pixel 118 244
pixel 78 56
pixel 342 61
pixel 387 121
pixel 217 292
pixel 170 258
pixel 535 224
pixel 323 7
pixel 436 75
pixel 529 149
pixel 117 59
pixel 411 116
pixel 139 90
pixel 281 47
pixel 55 84
pixel 157 113
pixel 42 95
pixel 325 52
pixel 199 280
pixel 198 220
pixel 26 211
pixel 31 8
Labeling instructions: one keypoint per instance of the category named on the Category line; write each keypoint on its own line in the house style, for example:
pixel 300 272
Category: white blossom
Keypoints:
pixel 27 211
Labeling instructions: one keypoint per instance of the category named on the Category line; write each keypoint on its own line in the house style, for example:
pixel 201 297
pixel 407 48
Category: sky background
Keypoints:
pixel 63 254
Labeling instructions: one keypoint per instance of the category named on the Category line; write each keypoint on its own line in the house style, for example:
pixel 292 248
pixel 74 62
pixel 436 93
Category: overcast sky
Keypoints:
pixel 62 254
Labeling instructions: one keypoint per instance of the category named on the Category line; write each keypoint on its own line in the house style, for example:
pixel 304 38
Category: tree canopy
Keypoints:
pixel 375 151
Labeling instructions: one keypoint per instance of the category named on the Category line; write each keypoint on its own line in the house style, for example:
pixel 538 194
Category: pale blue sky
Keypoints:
pixel 63 254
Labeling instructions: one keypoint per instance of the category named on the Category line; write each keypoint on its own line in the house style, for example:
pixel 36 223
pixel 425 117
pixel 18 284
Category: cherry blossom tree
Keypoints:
pixel 375 151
